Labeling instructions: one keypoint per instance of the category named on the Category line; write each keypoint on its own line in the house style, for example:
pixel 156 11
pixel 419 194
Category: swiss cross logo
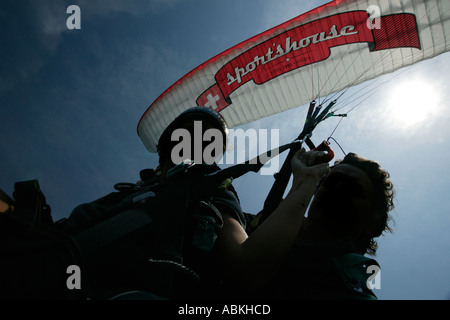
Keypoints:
pixel 213 98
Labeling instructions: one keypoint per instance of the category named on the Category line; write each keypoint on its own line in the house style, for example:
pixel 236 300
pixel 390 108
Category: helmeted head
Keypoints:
pixel 354 200
pixel 195 123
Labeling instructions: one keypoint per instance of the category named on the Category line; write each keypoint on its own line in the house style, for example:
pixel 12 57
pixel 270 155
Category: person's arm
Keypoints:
pixel 261 253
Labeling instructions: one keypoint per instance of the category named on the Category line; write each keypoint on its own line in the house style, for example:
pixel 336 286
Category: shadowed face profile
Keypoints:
pixel 198 134
pixel 343 201
pixel 353 201
pixel 198 141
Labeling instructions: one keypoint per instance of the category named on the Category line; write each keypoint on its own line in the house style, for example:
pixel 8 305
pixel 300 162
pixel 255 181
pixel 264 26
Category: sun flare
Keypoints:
pixel 412 102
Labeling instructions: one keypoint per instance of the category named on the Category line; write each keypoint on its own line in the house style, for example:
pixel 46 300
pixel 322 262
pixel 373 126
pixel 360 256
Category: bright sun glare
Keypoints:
pixel 412 102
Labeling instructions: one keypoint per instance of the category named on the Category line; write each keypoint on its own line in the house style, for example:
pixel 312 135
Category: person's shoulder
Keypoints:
pixel 228 202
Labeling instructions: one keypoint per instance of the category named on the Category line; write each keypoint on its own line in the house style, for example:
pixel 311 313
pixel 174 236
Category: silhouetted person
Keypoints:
pixel 350 209
pixel 239 262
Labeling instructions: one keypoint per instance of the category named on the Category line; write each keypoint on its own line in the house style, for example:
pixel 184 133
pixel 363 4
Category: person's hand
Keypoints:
pixel 309 164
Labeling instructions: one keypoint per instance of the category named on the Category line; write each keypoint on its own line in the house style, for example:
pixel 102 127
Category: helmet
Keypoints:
pixel 209 117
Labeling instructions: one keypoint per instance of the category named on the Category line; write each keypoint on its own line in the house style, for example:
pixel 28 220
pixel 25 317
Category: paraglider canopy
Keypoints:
pixel 327 50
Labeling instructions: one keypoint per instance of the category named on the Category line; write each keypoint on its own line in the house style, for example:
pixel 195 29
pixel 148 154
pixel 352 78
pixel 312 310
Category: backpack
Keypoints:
pixel 32 249
pixel 131 239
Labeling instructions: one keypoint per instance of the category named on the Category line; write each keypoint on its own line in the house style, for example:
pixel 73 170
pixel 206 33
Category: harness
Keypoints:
pixel 135 235
pixel 138 232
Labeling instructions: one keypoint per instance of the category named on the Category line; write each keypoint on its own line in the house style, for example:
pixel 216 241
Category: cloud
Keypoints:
pixel 33 30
